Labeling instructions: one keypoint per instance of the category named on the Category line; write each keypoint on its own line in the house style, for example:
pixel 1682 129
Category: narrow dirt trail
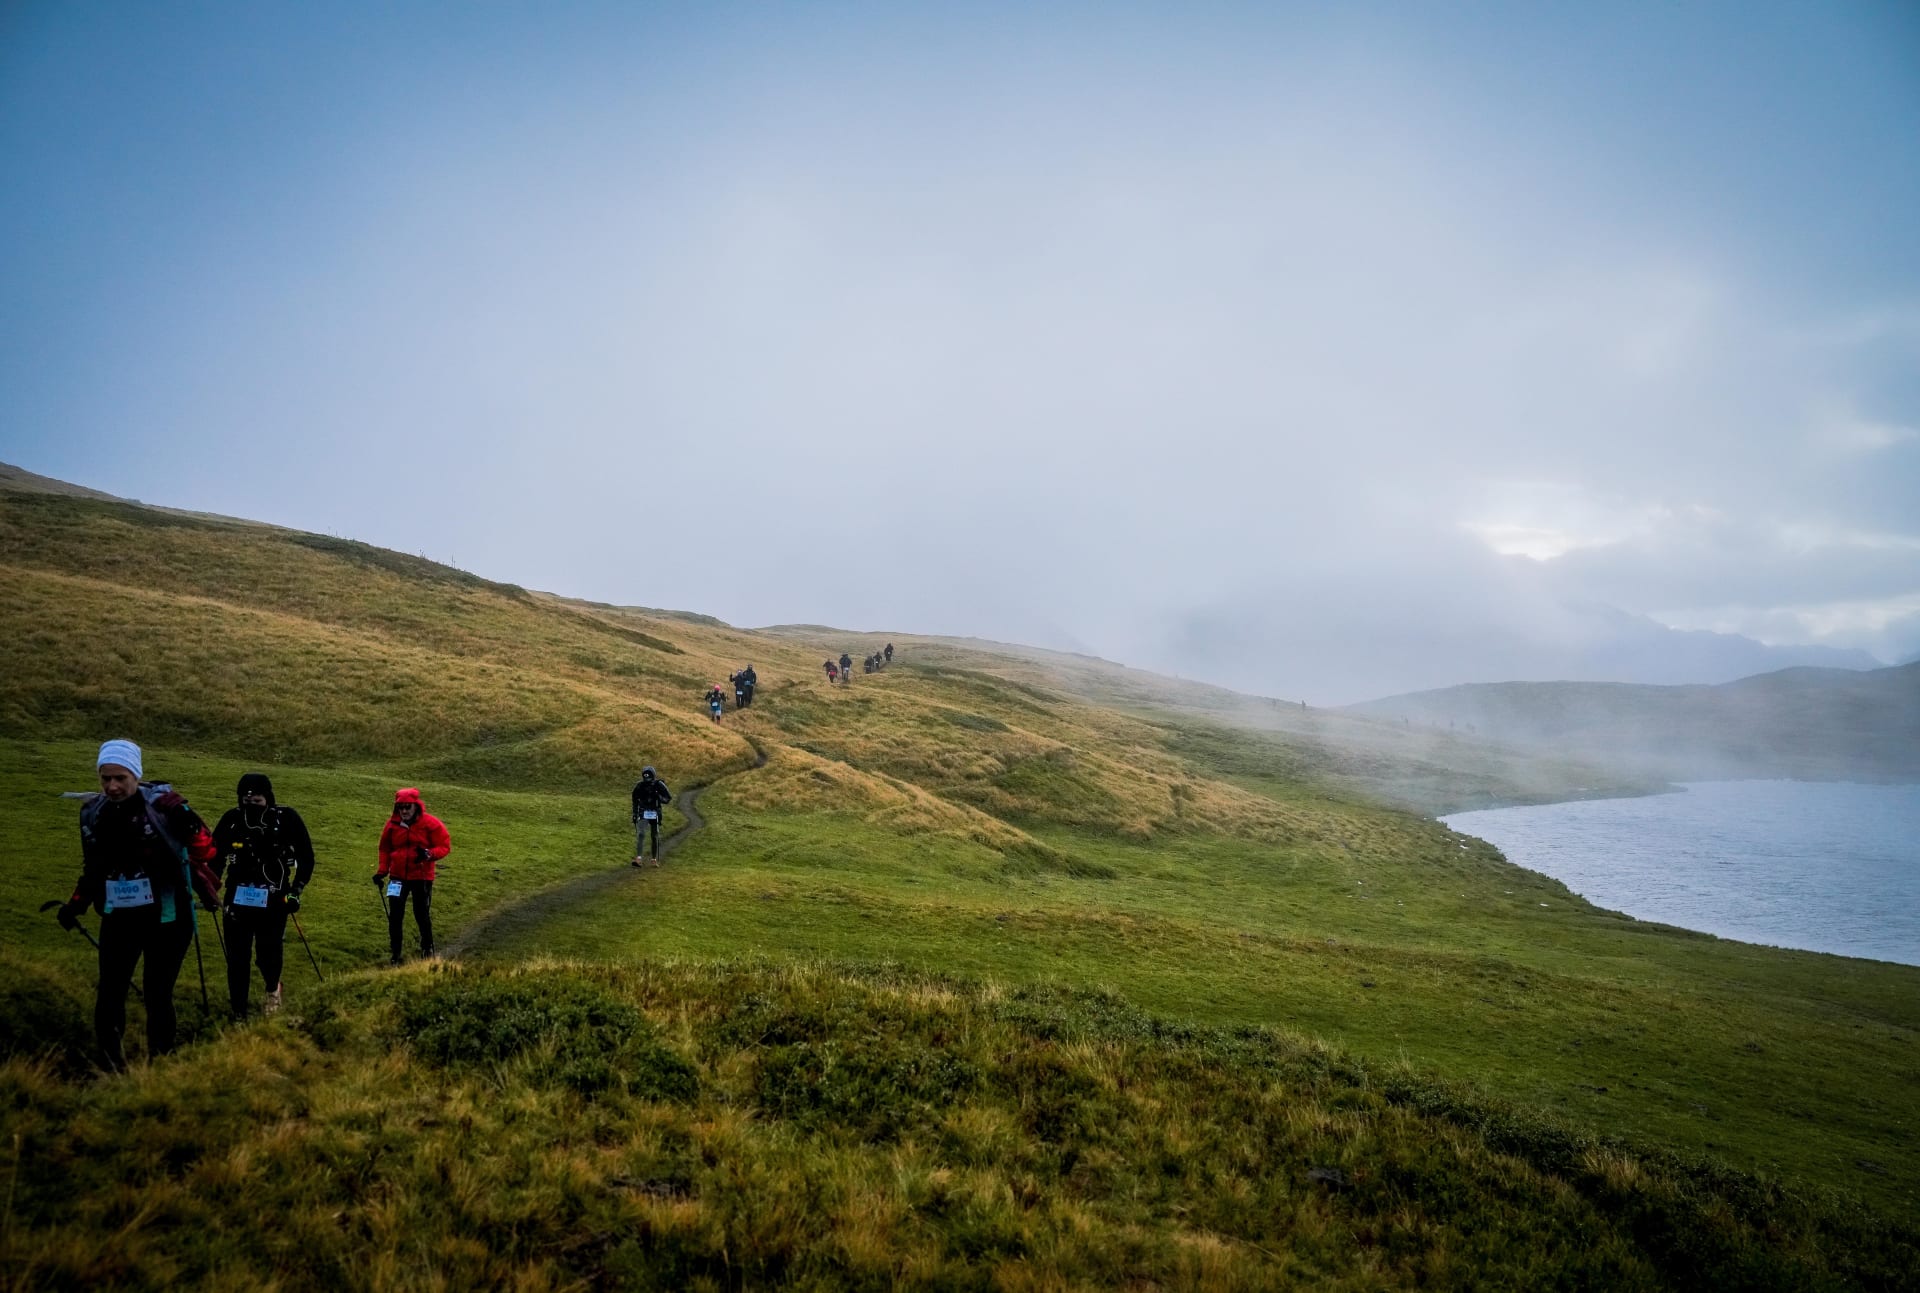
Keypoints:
pixel 504 922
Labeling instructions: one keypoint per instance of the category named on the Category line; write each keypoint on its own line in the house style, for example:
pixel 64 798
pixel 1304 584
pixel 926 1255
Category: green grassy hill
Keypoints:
pixel 996 967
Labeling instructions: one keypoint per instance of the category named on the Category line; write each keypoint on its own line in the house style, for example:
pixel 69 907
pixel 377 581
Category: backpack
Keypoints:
pixel 149 791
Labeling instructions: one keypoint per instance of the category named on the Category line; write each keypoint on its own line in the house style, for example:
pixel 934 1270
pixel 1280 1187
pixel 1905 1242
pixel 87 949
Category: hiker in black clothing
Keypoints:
pixel 145 857
pixel 846 667
pixel 739 681
pixel 889 653
pixel 650 795
pixel 265 857
pixel 752 680
pixel 833 673
pixel 716 701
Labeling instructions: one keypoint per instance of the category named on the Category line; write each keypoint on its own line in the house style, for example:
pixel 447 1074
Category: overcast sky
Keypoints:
pixel 1328 351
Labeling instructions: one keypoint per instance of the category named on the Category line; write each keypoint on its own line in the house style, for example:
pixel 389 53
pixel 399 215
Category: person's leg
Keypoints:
pixel 239 932
pixel 166 952
pixel 639 839
pixel 119 953
pixel 654 827
pixel 423 913
pixel 396 913
pixel 271 925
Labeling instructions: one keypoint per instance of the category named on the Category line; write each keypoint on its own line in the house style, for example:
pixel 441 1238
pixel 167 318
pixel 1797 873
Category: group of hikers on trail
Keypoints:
pixel 842 672
pixel 147 860
pixel 743 684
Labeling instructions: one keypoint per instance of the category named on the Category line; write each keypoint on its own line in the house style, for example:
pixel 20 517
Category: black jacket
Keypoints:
pixel 650 795
pixel 263 846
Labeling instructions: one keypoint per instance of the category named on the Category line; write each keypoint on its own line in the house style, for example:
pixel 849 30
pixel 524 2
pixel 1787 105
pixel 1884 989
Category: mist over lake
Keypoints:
pixel 1820 866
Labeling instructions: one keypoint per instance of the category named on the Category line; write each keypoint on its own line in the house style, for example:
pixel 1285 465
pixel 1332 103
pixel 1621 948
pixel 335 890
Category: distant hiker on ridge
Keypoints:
pixel 410 843
pixel 889 653
pixel 264 856
pixel 650 795
pixel 145 855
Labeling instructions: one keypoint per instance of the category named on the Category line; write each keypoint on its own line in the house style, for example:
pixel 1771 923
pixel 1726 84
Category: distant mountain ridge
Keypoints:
pixel 1808 723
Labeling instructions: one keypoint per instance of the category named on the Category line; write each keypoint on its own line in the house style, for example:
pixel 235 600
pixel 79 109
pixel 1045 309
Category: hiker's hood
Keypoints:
pixel 256 783
pixel 401 798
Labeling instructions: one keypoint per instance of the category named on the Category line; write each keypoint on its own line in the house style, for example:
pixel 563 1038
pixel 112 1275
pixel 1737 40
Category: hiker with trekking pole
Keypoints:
pixel 145 857
pixel 412 841
pixel 650 798
pixel 264 857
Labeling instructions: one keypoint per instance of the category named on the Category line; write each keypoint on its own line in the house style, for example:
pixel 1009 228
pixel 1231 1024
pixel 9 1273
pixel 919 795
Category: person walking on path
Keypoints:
pixel 846 667
pixel 145 856
pixel 650 797
pixel 889 653
pixel 752 679
pixel 264 857
pixel 716 701
pixel 833 673
pixel 412 841
pixel 739 681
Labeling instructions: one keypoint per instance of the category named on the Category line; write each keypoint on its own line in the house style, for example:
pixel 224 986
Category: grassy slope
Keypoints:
pixel 968 812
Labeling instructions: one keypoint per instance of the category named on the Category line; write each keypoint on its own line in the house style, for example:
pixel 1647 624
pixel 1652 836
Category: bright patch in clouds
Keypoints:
pixel 1543 520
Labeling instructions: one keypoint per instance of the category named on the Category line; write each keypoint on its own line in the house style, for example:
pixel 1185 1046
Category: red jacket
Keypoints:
pixel 400 845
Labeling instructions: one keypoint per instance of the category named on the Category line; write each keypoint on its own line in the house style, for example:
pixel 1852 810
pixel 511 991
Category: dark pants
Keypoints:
pixel 422 893
pixel 749 699
pixel 641 826
pixel 254 932
pixel 126 936
pixel 739 697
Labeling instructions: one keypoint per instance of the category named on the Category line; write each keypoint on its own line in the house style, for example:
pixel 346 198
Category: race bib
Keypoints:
pixel 650 815
pixel 250 895
pixel 393 888
pixel 129 893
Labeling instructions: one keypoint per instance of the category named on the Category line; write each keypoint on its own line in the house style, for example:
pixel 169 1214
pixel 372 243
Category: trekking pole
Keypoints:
pixel 206 1006
pixel 87 934
pixel 309 946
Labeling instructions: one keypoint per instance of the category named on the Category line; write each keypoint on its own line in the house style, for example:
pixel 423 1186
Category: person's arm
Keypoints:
pixel 666 796
pixel 223 843
pixel 300 843
pixel 89 887
pixel 439 839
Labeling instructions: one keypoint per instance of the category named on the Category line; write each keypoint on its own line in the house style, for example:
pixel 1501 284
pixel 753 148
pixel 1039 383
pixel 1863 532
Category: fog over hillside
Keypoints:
pixel 1313 350
pixel 1823 724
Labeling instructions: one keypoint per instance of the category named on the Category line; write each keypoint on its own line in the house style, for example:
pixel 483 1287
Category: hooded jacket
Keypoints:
pixel 650 793
pixel 400 846
pixel 262 846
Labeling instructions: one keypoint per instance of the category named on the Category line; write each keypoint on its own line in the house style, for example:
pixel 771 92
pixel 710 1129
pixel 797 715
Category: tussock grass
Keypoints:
pixel 716 1126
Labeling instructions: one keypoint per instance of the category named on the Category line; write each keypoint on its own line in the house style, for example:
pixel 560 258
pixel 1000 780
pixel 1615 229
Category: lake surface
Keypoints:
pixel 1823 866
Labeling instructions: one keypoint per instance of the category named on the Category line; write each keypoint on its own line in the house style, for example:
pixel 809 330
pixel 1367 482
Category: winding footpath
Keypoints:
pixel 505 922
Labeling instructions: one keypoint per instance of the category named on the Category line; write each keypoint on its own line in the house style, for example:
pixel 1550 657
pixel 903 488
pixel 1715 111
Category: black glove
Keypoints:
pixel 293 900
pixel 210 905
pixel 71 911
pixel 379 877
pixel 426 854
